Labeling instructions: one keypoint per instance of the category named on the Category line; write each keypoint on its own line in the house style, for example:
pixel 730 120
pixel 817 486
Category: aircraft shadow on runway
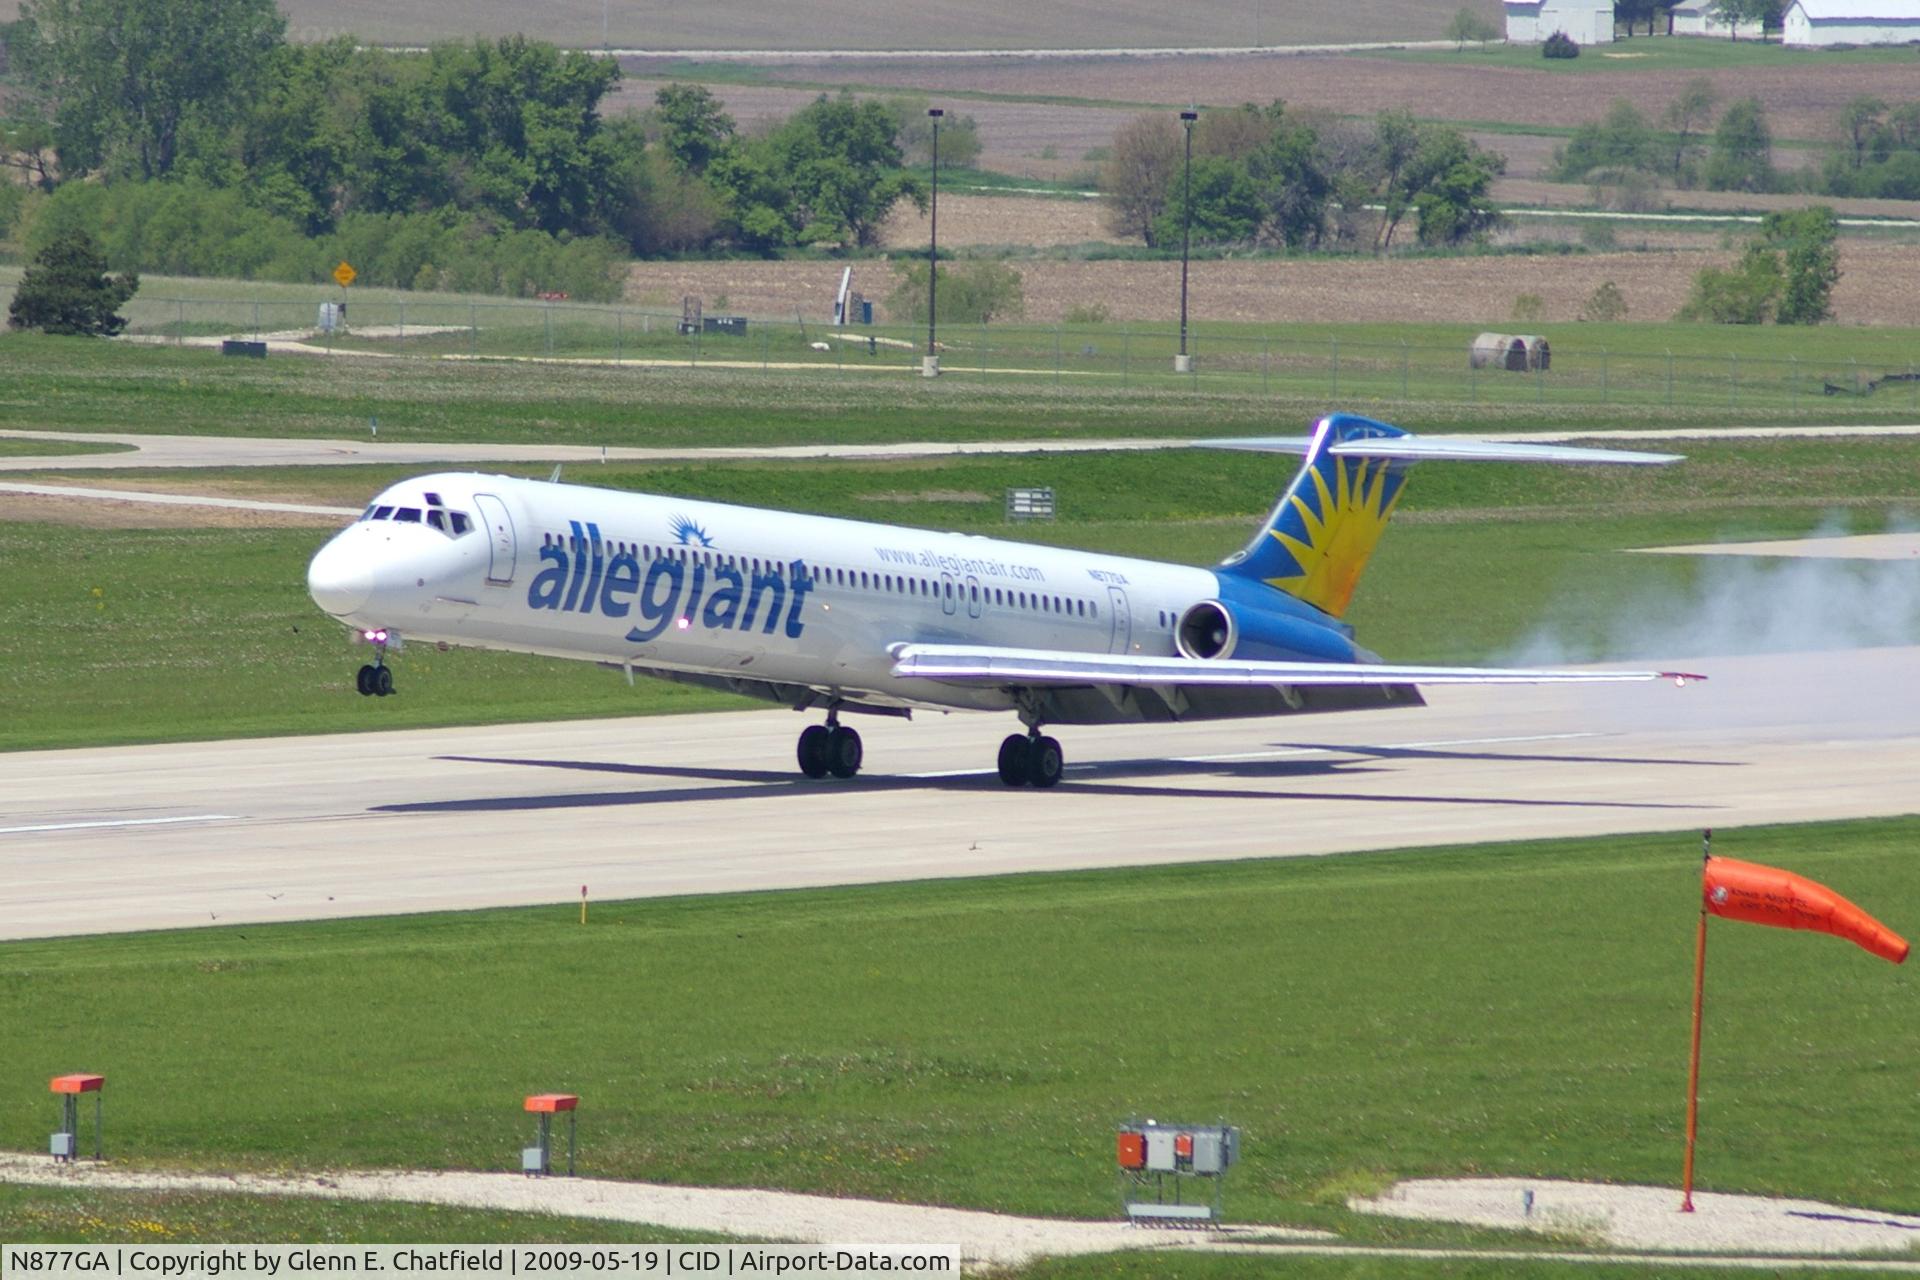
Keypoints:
pixel 1518 757
pixel 1085 779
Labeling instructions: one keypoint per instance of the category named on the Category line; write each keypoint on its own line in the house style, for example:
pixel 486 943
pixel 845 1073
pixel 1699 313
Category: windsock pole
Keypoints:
pixel 1699 999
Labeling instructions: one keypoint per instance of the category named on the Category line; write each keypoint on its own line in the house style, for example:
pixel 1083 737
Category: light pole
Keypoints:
pixel 930 365
pixel 1183 363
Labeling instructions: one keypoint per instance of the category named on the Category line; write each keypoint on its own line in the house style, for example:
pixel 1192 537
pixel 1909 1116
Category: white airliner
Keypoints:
pixel 849 616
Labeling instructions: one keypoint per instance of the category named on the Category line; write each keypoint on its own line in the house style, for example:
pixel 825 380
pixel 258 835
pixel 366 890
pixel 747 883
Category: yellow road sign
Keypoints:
pixel 345 274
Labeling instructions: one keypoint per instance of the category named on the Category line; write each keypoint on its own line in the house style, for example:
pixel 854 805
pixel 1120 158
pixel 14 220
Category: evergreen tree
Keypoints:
pixel 67 290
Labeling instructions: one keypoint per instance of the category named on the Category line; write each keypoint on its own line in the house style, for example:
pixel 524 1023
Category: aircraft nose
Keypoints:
pixel 340 579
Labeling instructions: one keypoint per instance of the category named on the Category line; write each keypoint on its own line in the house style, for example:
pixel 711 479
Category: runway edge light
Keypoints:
pixel 65 1144
pixel 537 1161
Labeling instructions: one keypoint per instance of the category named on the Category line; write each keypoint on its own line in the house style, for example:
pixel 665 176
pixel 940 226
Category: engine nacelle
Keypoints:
pixel 1215 629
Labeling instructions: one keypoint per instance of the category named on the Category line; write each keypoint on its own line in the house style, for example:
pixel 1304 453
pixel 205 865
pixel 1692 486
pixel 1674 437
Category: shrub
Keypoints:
pixel 1560 45
pixel 972 292
pixel 1096 313
pixel 1606 305
pixel 1528 308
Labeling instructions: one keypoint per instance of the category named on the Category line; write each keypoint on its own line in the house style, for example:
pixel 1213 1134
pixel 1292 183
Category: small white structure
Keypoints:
pixel 1829 22
pixel 1532 21
pixel 1697 18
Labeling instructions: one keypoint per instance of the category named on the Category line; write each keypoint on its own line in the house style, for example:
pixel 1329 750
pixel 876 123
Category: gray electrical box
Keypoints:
pixel 1160 1150
pixel 533 1160
pixel 1209 1151
pixel 61 1146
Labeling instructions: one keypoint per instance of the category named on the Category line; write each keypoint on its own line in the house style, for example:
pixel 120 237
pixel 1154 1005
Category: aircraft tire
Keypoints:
pixel 363 680
pixel 844 752
pixel 1013 760
pixel 382 681
pixel 813 751
pixel 1045 762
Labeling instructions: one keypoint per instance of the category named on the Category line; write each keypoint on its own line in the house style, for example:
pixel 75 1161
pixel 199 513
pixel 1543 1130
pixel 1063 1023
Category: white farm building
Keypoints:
pixel 1587 21
pixel 1697 18
pixel 1826 22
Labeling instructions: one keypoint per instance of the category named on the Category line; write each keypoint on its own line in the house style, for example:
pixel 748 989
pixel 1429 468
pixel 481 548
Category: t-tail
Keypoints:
pixel 1321 533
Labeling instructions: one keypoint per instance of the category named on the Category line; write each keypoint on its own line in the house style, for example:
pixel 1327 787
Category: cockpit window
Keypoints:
pixel 454 524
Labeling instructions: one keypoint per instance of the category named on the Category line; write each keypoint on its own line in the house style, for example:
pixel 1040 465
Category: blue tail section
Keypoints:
pixel 1316 543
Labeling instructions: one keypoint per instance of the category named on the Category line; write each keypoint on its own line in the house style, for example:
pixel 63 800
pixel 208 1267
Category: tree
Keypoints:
pixel 1745 294
pixel 1786 273
pixel 133 78
pixel 831 173
pixel 1764 14
pixel 1451 177
pixel 67 290
pixel 1686 117
pixel 1623 140
pixel 693 127
pixel 1146 155
pixel 913 133
pixel 1807 240
pixel 1559 45
pixel 1859 122
pixel 1742 155
pixel 1469 27
pixel 1227 205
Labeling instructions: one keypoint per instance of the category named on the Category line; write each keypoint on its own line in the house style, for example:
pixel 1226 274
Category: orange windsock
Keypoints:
pixel 1767 895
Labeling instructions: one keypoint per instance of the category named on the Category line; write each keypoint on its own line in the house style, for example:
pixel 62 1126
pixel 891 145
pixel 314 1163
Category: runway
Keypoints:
pixel 180 835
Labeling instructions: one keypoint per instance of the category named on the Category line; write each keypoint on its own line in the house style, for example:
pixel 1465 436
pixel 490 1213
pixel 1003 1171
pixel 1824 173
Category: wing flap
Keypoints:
pixel 979 664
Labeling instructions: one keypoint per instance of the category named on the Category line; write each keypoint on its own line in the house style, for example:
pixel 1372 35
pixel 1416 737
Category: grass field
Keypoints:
pixel 1259 384
pixel 974 1042
pixel 170 633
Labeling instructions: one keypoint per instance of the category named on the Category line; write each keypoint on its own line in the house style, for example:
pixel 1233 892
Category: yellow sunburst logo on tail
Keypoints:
pixel 1340 536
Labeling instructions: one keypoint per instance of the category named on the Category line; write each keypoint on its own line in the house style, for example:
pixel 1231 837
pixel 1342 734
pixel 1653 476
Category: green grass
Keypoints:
pixel 1080 383
pixel 68 1215
pixel 14 447
pixel 1512 1009
pixel 165 634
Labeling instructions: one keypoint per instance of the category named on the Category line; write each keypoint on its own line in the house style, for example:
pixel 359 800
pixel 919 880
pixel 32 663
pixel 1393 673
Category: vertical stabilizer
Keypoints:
pixel 1315 544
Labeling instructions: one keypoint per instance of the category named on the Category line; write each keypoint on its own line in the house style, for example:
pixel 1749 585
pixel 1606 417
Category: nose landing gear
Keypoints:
pixel 830 748
pixel 375 680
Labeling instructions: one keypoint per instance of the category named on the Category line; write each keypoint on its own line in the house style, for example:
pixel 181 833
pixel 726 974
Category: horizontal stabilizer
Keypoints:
pixel 975 664
pixel 1446 449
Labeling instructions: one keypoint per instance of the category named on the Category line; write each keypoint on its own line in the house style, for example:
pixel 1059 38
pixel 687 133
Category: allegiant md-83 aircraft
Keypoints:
pixel 848 616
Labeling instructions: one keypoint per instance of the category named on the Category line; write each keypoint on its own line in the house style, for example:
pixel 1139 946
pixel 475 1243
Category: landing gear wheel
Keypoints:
pixel 363 680
pixel 382 681
pixel 1044 762
pixel 1013 760
pixel 813 750
pixel 844 751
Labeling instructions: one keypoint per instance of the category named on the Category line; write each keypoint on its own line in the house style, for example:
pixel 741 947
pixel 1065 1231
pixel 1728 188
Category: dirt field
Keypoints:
pixel 1876 286
pixel 1801 99
pixel 852 24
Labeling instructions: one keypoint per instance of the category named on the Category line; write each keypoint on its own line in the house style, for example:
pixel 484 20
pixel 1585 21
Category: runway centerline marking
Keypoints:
pixel 119 822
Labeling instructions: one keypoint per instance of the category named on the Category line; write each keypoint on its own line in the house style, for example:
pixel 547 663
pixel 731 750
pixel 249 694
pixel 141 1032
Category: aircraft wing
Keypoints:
pixel 979 664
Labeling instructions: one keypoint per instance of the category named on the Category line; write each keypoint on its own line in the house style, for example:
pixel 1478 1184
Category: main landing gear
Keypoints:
pixel 829 748
pixel 1031 759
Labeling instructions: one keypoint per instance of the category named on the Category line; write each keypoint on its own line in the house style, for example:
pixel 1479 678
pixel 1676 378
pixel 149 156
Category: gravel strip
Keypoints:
pixel 981 1238
pixel 1649 1217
